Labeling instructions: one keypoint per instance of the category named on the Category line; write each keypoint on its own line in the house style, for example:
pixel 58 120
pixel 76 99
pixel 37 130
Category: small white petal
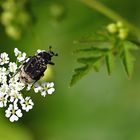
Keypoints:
pixel 21 57
pixel 31 102
pixel 4 59
pixel 51 90
pixel 10 107
pixel 15 105
pixel 29 87
pixel 44 84
pixel 12 67
pixel 13 118
pixel 38 51
pixel 1 104
pixel 8 113
pixel 23 106
pixel 17 52
pixel 28 108
pixel 27 98
pixel 5 103
pixel 43 93
pixel 12 99
pixel 37 89
pixel 18 112
pixel 51 84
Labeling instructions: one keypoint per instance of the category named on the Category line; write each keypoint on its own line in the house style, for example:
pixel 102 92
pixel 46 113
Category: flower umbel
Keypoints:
pixel 4 59
pixel 44 88
pixel 27 104
pixel 20 56
pixel 12 67
pixel 13 112
pixel 11 96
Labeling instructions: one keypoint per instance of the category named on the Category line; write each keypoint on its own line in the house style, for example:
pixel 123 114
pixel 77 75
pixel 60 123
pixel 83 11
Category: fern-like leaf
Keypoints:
pixel 109 62
pixel 127 59
pixel 79 73
pixel 93 50
pixel 103 47
pixel 90 64
pixel 96 37
pixel 89 60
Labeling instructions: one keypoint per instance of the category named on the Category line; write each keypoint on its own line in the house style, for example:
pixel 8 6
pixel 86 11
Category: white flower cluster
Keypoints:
pixel 44 88
pixel 11 87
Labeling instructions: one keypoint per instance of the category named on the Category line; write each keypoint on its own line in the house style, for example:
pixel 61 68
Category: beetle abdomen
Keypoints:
pixel 35 67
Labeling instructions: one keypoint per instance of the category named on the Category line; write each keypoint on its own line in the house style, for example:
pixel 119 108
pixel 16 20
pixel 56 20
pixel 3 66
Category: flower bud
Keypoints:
pixel 123 34
pixel 13 32
pixel 57 11
pixel 112 28
pixel 6 17
pixel 119 24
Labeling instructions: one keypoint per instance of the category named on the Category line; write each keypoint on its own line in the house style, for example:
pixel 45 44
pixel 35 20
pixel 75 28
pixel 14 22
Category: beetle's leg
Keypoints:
pixel 34 83
pixel 51 63
pixel 23 63
pixel 56 54
pixel 25 60
pixel 15 73
pixel 42 74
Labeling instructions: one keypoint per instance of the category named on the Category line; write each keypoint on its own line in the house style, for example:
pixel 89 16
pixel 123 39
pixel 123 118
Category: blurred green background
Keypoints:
pixel 96 108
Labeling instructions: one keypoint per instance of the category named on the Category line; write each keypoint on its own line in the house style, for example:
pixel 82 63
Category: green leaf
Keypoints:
pixel 90 64
pixel 99 49
pixel 96 51
pixel 92 38
pixel 79 73
pixel 89 51
pixel 97 66
pixel 89 60
pixel 127 60
pixel 109 62
pixel 131 45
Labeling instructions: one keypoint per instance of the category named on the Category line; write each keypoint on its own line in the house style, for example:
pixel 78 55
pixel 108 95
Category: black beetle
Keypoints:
pixel 34 67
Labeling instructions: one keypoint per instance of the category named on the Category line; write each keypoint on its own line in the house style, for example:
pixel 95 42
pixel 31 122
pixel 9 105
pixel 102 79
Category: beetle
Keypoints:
pixel 34 67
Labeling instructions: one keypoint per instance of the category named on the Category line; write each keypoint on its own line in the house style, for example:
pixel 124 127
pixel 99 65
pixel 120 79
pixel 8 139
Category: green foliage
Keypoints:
pixel 14 17
pixel 109 58
pixel 127 58
pixel 57 11
pixel 104 47
pixel 80 72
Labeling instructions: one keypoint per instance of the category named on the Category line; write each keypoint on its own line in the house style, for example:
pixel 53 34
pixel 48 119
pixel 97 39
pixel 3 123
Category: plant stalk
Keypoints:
pixel 98 6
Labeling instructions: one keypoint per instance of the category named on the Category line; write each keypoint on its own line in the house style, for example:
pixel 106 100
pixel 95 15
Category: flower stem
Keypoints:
pixel 98 6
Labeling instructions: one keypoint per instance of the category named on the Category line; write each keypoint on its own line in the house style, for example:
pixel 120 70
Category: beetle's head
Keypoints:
pixel 51 53
pixel 47 55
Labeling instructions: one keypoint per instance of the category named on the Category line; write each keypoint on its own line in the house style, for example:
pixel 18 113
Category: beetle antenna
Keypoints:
pixel 50 47
pixel 56 54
